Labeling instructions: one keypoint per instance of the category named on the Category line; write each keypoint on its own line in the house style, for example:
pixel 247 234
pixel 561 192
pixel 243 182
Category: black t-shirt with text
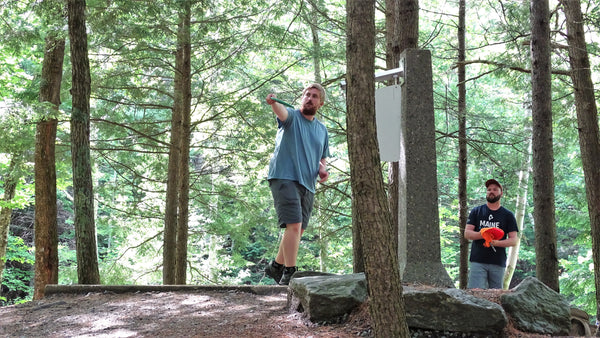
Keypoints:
pixel 484 217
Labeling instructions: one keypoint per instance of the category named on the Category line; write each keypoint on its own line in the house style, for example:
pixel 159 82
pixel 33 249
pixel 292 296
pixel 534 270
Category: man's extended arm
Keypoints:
pixel 278 108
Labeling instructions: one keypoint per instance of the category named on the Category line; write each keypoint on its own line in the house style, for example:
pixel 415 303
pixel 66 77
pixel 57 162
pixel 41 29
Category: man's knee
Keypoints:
pixel 295 227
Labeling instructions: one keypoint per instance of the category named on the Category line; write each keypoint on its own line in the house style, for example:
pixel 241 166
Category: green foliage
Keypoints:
pixel 17 251
pixel 576 284
pixel 450 240
pixel 18 270
pixel 67 265
pixel 23 197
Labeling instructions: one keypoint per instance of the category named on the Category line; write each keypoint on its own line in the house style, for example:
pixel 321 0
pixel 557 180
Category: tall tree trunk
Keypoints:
pixel 85 228
pixel 408 25
pixel 314 30
pixel 587 125
pixel 46 228
pixel 183 93
pixel 386 304
pixel 463 212
pixel 10 186
pixel 543 155
pixel 393 32
pixel 358 259
pixel 521 207
pixel 312 19
pixel 323 246
pixel 172 199
pixel 402 32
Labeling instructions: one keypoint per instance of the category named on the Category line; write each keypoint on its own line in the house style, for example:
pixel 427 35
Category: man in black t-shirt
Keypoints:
pixel 488 263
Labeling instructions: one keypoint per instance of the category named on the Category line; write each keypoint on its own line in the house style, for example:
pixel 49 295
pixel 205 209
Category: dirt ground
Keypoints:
pixel 227 313
pixel 189 313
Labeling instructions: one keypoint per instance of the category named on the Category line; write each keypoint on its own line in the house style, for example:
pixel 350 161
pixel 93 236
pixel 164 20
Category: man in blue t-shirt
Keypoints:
pixel 301 151
pixel 488 263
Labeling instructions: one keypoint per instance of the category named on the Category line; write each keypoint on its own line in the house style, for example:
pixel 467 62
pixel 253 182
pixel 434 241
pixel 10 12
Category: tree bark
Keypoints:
pixel 393 49
pixel 521 207
pixel 587 125
pixel 402 31
pixel 543 155
pixel 10 186
pixel 408 26
pixel 46 228
pixel 386 304
pixel 172 194
pixel 183 93
pixel 312 20
pixel 85 228
pixel 314 29
pixel 358 259
pixel 463 212
pixel 393 32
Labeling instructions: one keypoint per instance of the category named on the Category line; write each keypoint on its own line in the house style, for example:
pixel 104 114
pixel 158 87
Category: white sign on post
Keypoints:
pixel 387 114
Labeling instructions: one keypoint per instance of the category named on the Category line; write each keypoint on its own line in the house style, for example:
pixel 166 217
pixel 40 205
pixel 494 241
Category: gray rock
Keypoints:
pixel 327 298
pixel 534 307
pixel 452 310
pixel 300 274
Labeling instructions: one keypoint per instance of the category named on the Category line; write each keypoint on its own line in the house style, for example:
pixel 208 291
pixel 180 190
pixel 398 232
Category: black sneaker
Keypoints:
pixel 274 272
pixel 287 275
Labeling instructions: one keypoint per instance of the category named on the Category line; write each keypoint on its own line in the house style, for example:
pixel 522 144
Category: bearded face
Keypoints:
pixel 309 110
pixel 492 198
pixel 493 194
pixel 311 102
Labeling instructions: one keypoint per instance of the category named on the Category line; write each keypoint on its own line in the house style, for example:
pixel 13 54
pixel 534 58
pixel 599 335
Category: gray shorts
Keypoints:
pixel 485 276
pixel 293 202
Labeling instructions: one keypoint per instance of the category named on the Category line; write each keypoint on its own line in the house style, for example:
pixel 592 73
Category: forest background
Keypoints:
pixel 241 51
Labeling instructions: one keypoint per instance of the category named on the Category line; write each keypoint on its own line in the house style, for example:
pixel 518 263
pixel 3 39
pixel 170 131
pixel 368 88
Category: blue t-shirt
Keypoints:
pixel 300 145
pixel 484 217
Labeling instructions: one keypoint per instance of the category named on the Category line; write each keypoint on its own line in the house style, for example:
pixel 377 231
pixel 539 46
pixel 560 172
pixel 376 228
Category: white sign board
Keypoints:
pixel 387 111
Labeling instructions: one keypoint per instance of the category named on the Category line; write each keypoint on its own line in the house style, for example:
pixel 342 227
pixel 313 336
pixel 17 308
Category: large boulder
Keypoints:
pixel 452 310
pixel 534 307
pixel 326 298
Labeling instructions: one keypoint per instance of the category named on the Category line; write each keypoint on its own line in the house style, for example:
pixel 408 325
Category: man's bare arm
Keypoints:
pixel 505 243
pixel 471 234
pixel 278 108
pixel 323 172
